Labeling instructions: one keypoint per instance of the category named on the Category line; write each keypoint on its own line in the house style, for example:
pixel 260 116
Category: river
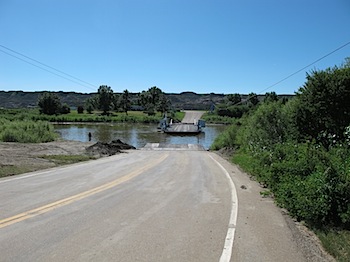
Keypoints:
pixel 137 135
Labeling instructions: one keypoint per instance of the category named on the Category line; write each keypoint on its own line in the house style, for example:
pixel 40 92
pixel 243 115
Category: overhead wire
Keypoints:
pixel 296 72
pixel 60 73
pixel 80 81
pixel 319 59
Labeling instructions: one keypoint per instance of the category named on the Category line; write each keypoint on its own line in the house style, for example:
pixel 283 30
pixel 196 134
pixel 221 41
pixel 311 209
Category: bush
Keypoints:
pixel 309 181
pixel 322 107
pixel 65 109
pixel 233 111
pixel 80 109
pixel 226 139
pixel 26 131
pixel 264 128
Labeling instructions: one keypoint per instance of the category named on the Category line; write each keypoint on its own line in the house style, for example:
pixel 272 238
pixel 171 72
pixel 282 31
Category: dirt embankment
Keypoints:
pixel 18 158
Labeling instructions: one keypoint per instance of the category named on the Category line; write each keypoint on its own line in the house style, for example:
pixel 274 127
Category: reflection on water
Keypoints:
pixel 137 135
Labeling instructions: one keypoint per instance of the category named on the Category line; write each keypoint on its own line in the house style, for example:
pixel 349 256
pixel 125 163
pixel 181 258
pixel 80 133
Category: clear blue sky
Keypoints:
pixel 220 46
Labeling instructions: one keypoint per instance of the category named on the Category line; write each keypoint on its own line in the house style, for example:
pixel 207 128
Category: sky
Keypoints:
pixel 203 46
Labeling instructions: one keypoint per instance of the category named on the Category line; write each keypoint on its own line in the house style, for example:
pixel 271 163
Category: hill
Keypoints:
pixel 184 100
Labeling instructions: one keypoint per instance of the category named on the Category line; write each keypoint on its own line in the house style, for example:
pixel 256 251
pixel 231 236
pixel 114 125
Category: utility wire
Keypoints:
pixel 296 72
pixel 289 76
pixel 76 80
pixel 42 68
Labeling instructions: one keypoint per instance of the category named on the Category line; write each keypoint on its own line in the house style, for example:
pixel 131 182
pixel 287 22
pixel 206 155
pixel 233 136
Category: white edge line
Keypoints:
pixel 227 251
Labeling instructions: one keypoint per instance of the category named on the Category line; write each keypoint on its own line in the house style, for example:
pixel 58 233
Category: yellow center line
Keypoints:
pixel 63 202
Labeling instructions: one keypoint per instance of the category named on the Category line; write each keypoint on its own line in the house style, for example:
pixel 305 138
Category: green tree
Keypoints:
pixel 270 97
pixel 105 98
pixel 163 103
pixel 322 108
pixel 91 104
pixel 253 99
pixel 125 101
pixel 154 99
pixel 49 103
pixel 155 94
pixel 65 109
pixel 233 99
pixel 80 109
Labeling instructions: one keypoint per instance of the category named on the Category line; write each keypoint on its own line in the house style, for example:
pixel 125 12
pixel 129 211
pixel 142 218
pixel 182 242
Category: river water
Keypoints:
pixel 137 135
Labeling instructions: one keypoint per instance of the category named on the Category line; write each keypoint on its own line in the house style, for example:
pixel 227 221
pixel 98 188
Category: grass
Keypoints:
pixel 26 131
pixel 66 159
pixel 73 116
pixel 335 241
pixel 245 161
pixel 179 115
pixel 9 170
pixel 58 160
pixel 215 119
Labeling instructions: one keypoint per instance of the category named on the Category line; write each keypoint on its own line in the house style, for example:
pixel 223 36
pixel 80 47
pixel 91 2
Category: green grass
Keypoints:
pixel 58 160
pixel 179 115
pixel 9 170
pixel 215 119
pixel 245 161
pixel 336 242
pixel 26 131
pixel 73 116
pixel 66 159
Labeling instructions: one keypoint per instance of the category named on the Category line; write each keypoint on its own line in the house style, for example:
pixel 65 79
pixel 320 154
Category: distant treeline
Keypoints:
pixel 184 100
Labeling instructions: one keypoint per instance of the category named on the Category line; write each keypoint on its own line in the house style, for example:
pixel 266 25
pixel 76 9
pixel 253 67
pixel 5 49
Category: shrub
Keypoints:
pixel 265 127
pixel 226 139
pixel 26 132
pixel 80 109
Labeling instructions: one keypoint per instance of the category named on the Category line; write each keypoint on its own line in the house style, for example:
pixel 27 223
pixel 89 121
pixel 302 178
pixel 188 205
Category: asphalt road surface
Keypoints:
pixel 154 205
pixel 192 117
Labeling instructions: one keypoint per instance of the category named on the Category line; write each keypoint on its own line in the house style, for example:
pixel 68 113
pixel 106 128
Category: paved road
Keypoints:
pixel 192 116
pixel 153 205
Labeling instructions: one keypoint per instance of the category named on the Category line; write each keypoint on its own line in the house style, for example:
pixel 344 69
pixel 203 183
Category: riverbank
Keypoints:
pixel 17 158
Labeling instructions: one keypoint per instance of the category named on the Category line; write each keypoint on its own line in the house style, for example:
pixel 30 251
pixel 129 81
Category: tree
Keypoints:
pixel 49 103
pixel 155 94
pixel 253 99
pixel 270 97
pixel 233 99
pixel 91 104
pixel 124 101
pixel 322 109
pixel 105 98
pixel 163 103
pixel 154 99
pixel 65 109
pixel 80 109
pixel 346 64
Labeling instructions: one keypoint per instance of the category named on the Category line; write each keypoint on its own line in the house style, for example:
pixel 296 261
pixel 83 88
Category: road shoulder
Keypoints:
pixel 264 231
